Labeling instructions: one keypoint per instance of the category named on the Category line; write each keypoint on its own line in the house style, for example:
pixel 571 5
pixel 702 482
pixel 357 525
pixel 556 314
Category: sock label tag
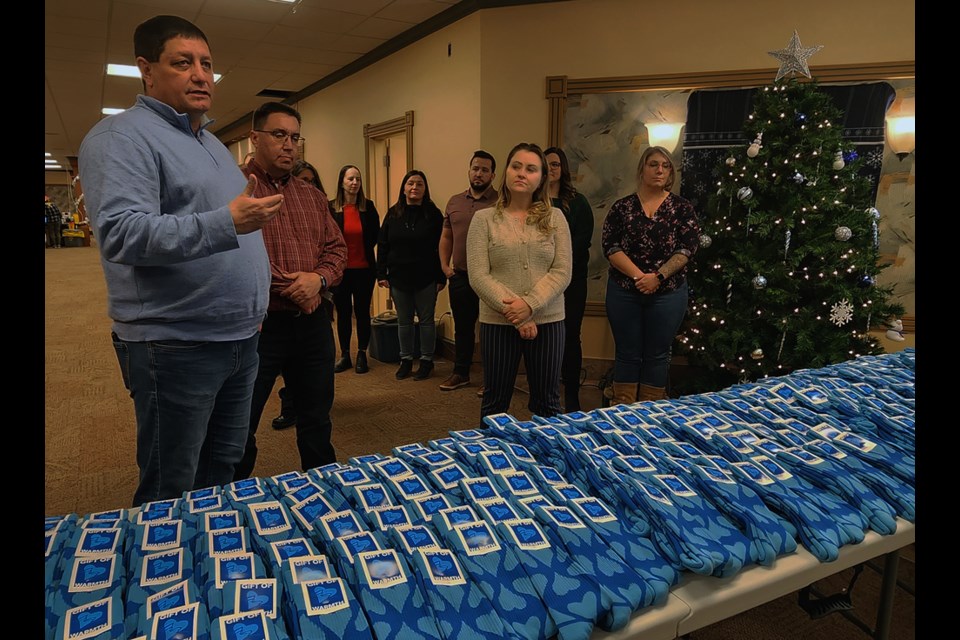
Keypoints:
pixel 411 487
pixel 309 568
pixel 310 508
pixel 563 517
pixel 286 549
pixel 257 595
pixel 371 496
pixel 201 505
pixel 163 567
pixel 393 468
pixel 594 510
pixel 675 485
pixel 477 538
pixel 233 567
pixel 856 441
pixel 499 510
pixel 177 623
pixel 340 523
pixel 269 518
pixel 442 568
pixel 496 461
pixel 381 569
pixel 97 542
pixel 158 536
pixel 387 517
pixel 323 597
pixel 479 490
pixel 414 537
pixel 171 598
pixel 357 543
pixel 431 504
pixel 527 534
pixel 88 620
pixel 243 626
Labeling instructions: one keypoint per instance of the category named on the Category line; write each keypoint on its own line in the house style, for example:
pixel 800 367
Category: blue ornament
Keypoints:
pixel 801 117
pixel 867 281
pixel 850 156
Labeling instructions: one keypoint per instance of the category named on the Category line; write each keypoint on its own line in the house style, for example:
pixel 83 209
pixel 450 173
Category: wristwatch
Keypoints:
pixel 660 277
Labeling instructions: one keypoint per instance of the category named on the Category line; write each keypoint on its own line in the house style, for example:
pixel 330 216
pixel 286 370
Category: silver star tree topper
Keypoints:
pixel 794 57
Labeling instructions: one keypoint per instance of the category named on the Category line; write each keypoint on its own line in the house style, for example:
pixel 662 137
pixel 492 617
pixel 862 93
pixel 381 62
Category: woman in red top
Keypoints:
pixel 359 222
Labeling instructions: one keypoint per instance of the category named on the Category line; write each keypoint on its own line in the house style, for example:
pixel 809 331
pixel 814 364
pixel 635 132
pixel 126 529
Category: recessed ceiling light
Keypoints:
pixel 52 166
pixel 47 154
pixel 110 111
pixel 133 71
pixel 50 161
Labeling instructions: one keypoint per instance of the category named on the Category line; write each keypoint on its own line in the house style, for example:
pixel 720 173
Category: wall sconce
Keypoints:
pixel 664 134
pixel 901 135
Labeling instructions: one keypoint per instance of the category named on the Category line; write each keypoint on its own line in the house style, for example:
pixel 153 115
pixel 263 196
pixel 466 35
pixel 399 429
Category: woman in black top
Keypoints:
pixel 579 215
pixel 408 262
pixel 359 223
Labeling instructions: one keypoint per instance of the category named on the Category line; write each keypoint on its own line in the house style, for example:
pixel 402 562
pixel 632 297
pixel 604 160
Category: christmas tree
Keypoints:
pixel 785 277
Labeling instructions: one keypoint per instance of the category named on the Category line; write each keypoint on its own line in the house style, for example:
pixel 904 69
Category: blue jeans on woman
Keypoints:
pixel 644 327
pixel 423 303
pixel 192 403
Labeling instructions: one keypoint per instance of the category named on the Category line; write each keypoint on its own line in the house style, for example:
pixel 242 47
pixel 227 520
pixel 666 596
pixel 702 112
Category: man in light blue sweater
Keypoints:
pixel 187 273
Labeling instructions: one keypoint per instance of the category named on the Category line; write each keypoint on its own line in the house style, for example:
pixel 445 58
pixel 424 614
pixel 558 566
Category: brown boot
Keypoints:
pixel 648 392
pixel 624 393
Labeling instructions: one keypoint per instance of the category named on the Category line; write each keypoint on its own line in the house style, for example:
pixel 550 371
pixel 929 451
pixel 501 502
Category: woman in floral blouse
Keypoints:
pixel 648 238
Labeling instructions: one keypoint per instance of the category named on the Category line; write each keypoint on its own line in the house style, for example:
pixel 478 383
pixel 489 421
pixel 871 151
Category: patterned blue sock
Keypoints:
pixel 574 601
pixel 592 553
pixel 818 532
pixel 326 608
pixel 394 604
pixel 497 572
pixel 459 606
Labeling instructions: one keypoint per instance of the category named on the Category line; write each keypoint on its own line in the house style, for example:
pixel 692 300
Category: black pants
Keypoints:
pixel 502 347
pixel 352 298
pixel 465 306
pixel 574 304
pixel 301 346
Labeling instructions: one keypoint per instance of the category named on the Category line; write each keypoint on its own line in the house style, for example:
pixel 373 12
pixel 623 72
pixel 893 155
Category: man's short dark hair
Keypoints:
pixel 151 36
pixel 480 153
pixel 263 112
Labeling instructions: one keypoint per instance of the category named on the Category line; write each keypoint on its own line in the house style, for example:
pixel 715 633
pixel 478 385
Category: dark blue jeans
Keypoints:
pixel 302 347
pixel 644 326
pixel 424 304
pixel 192 402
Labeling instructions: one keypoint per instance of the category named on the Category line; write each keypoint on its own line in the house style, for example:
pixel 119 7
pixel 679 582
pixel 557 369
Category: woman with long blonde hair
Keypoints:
pixel 519 262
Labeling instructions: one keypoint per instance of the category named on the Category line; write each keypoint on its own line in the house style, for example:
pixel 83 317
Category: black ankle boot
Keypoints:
pixel 342 364
pixel 424 371
pixel 362 366
pixel 406 366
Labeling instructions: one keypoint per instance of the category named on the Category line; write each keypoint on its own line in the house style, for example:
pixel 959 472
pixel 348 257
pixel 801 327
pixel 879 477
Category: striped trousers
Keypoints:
pixel 501 348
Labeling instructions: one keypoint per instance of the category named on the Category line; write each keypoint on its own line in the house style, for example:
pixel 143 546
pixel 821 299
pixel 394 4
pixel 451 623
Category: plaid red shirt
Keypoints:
pixel 302 237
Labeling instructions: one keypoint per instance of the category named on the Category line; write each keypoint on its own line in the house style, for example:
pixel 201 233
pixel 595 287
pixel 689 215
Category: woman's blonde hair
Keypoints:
pixel 539 212
pixel 649 151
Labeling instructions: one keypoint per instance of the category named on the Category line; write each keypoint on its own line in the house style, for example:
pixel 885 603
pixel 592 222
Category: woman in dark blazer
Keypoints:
pixel 359 222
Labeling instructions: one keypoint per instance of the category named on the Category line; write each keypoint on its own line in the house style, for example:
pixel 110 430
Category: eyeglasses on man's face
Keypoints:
pixel 280 135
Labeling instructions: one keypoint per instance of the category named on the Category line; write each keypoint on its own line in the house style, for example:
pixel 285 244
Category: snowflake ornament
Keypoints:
pixel 841 313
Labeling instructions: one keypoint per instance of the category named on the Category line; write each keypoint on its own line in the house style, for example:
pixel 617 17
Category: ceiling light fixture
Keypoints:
pixel 111 111
pixel 52 166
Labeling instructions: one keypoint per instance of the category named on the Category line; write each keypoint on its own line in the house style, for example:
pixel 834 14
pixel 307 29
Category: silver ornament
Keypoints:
pixel 843 234
pixel 744 193
pixel 798 177
pixel 838 162
pixel 759 282
pixel 873 212
pixel 786 244
pixel 757 354
pixel 705 241
pixel 731 161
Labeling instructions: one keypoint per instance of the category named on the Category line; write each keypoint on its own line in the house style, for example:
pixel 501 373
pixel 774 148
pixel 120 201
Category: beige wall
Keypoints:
pixel 490 92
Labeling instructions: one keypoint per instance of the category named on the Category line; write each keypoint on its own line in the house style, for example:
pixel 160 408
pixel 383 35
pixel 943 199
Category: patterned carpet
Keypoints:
pixel 90 440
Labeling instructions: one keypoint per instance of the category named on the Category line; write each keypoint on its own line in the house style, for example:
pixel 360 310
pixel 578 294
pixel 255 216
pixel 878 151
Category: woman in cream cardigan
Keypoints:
pixel 519 261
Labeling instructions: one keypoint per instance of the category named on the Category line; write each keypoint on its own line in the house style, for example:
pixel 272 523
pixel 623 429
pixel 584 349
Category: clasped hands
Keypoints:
pixel 646 282
pixel 304 291
pixel 519 313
